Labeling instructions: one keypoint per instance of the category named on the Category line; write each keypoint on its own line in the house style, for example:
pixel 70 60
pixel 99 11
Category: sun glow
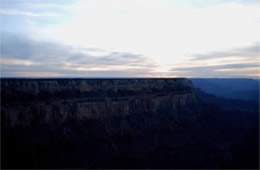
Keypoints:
pixel 166 33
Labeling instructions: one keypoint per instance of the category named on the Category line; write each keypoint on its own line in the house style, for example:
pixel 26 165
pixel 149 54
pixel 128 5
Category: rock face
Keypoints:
pixel 92 123
pixel 26 101
pixel 124 123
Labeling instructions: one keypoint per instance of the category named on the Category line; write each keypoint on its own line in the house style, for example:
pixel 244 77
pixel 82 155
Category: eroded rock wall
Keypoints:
pixel 26 101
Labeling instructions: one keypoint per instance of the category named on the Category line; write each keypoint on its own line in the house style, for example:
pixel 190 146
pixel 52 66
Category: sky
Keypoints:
pixel 130 38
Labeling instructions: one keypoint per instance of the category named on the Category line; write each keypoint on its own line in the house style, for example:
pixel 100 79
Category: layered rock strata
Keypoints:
pixel 26 101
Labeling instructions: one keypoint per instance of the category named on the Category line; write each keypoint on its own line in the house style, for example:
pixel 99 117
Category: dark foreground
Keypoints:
pixel 124 123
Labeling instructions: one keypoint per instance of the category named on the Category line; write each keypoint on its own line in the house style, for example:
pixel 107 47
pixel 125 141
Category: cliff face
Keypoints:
pixel 26 101
pixel 124 123
pixel 94 123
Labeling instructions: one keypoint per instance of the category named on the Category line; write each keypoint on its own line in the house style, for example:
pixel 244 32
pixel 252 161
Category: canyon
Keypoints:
pixel 50 100
pixel 123 123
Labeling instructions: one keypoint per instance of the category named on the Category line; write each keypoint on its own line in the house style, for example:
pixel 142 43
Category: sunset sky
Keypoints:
pixel 130 38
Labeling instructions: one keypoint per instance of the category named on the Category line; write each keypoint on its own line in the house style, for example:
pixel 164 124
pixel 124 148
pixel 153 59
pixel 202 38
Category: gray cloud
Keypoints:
pixel 212 71
pixel 21 47
pixel 27 55
pixel 14 71
pixel 250 52
pixel 249 55
pixel 216 67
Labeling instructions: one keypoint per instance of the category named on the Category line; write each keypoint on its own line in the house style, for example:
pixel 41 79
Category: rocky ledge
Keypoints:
pixel 26 101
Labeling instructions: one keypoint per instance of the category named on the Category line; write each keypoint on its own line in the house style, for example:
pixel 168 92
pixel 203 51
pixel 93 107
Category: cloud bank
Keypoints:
pixel 239 62
pixel 21 56
pixel 130 38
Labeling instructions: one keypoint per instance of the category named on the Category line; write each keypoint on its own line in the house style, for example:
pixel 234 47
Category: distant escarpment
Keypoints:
pixel 26 101
pixel 124 123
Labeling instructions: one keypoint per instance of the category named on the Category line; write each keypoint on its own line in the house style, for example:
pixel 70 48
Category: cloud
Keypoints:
pixel 215 72
pixel 250 52
pixel 34 3
pixel 29 14
pixel 20 55
pixel 247 1
pixel 225 66
pixel 146 37
pixel 239 62
pixel 36 8
pixel 21 47
pixel 23 56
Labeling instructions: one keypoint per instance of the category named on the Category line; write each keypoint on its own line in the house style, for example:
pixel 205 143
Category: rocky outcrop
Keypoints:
pixel 26 101
pixel 122 124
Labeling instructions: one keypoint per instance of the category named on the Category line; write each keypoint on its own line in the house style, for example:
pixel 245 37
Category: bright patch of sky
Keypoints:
pixel 154 36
